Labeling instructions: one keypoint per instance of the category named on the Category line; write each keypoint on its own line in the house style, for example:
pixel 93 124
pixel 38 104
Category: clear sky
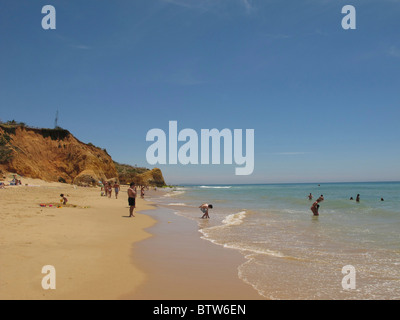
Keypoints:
pixel 324 102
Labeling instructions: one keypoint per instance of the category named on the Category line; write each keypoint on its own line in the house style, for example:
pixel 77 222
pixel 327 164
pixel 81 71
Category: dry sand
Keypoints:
pixel 89 245
pixel 98 252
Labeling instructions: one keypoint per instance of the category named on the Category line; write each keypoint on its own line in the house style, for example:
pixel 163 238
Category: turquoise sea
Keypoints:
pixel 291 254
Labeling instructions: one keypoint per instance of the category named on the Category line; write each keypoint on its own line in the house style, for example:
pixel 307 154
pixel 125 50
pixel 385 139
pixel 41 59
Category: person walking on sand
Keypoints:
pixel 109 190
pixel 142 192
pixel 106 189
pixel 315 207
pixel 204 208
pixel 116 189
pixel 131 198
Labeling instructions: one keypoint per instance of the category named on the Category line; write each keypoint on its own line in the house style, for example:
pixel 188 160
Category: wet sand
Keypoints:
pixel 182 266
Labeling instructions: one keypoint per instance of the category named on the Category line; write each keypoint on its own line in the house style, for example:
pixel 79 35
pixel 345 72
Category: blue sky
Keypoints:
pixel 324 102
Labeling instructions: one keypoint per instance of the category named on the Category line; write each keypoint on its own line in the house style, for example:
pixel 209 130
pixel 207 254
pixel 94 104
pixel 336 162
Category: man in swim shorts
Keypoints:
pixel 204 208
pixel 131 198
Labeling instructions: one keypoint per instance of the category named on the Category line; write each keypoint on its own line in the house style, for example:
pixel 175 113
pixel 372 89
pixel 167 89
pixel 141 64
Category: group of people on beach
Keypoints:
pixel 107 188
pixel 13 182
pixel 16 183
pixel 132 192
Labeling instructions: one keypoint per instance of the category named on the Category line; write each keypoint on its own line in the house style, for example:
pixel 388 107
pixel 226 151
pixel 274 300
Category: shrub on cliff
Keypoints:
pixel 6 153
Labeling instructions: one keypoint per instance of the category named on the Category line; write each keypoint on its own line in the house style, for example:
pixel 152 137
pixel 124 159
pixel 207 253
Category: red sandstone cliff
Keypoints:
pixel 56 155
pixel 52 155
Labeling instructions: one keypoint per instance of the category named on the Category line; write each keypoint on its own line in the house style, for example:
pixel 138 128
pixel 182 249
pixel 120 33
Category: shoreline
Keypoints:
pixel 182 266
pixel 99 253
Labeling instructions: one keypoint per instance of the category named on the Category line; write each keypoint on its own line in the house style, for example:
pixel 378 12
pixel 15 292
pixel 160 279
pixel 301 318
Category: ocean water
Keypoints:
pixel 291 254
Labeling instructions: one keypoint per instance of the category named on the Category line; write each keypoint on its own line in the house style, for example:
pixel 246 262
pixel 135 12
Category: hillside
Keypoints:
pixel 56 155
pixel 141 176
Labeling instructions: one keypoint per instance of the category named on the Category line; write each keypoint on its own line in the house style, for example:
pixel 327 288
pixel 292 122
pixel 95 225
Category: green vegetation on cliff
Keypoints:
pixel 139 175
pixel 5 148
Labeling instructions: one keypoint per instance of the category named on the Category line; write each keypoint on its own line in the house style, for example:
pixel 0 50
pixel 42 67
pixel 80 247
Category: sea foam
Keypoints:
pixel 234 219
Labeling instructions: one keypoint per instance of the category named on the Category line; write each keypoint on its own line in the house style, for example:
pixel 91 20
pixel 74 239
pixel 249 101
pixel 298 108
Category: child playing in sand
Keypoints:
pixel 204 208
pixel 63 199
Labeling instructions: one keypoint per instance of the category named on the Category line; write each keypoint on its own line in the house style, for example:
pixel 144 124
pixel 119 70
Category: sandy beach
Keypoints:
pixel 98 252
pixel 89 242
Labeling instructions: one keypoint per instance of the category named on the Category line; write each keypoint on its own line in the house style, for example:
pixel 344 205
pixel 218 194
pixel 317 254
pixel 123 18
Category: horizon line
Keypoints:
pixel 269 183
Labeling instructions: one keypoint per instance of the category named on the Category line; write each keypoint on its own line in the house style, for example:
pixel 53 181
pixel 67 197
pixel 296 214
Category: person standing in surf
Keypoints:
pixel 315 207
pixel 204 208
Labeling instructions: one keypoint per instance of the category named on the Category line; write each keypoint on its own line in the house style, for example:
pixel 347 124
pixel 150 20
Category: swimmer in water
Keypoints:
pixel 315 207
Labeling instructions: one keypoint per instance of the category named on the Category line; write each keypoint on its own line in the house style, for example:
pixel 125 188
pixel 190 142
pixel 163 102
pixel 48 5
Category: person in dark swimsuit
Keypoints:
pixel 315 207
pixel 132 198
